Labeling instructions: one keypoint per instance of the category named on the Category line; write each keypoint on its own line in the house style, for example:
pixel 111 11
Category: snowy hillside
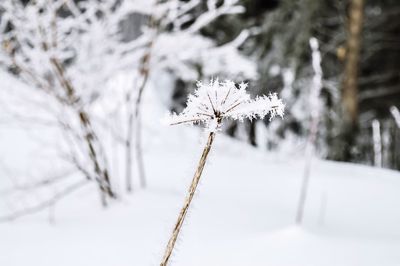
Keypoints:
pixel 241 215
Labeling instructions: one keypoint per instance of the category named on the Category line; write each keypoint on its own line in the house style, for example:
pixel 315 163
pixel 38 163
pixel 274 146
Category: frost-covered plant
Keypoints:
pixel 315 113
pixel 396 115
pixel 53 47
pixel 70 54
pixel 209 105
pixel 213 102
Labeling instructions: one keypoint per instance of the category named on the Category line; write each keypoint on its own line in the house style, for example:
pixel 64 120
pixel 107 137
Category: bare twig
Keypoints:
pixel 134 119
pixel 315 106
pixel 44 182
pixel 45 204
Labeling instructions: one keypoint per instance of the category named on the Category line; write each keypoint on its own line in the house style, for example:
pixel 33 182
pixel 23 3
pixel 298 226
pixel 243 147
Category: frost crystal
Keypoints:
pixel 213 102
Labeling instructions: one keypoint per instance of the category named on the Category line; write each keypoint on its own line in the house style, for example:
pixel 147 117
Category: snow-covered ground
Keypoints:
pixel 243 214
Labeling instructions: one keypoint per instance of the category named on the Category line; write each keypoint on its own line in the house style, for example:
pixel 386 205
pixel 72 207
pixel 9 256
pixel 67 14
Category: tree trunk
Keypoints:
pixel 350 83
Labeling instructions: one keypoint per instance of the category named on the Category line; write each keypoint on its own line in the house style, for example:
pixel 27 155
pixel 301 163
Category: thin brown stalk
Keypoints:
pixel 197 120
pixel 128 156
pixel 135 118
pixel 310 149
pixel 89 135
pixel 188 200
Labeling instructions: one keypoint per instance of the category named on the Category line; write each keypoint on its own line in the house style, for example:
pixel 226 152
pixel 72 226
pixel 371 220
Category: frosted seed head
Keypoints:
pixel 215 101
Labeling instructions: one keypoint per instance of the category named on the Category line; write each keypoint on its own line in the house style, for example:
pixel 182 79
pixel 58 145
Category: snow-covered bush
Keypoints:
pixel 71 51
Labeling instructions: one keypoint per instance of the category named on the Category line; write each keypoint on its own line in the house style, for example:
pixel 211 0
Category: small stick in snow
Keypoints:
pixel 396 115
pixel 230 102
pixel 315 110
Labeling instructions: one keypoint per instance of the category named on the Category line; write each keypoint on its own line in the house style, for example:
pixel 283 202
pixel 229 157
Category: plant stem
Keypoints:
pixel 145 73
pixel 138 137
pixel 188 200
pixel 303 192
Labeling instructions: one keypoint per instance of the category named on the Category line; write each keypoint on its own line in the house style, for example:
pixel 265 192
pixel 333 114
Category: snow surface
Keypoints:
pixel 243 213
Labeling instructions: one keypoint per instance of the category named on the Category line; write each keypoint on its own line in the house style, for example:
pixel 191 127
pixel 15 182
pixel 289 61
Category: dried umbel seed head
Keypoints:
pixel 215 101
